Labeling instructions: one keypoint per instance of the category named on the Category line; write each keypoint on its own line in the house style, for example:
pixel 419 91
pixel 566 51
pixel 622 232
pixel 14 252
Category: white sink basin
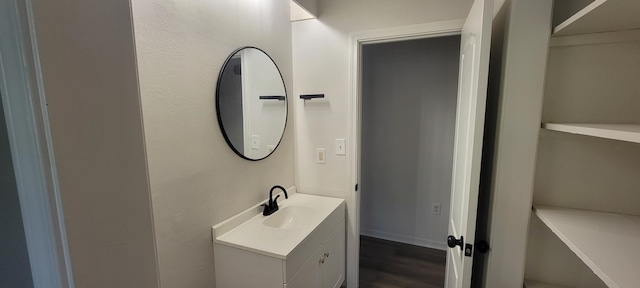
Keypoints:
pixel 290 217
pixel 278 234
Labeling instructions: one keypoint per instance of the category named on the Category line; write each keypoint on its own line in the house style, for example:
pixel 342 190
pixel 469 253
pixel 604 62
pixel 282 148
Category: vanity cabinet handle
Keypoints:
pixel 326 255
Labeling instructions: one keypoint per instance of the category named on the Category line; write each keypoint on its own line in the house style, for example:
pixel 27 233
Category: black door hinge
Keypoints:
pixel 356 187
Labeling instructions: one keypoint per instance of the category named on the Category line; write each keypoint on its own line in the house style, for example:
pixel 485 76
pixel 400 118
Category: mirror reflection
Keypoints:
pixel 251 102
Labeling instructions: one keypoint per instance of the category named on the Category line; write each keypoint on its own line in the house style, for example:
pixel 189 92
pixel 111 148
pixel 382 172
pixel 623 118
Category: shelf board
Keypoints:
pixel 536 284
pixel 606 242
pixel 622 132
pixel 602 16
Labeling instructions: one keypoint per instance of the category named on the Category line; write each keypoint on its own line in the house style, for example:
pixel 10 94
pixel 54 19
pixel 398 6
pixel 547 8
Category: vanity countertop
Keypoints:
pixel 257 236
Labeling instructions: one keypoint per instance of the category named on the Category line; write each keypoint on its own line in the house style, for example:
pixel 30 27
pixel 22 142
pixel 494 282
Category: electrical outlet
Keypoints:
pixel 321 156
pixel 255 142
pixel 340 147
pixel 436 208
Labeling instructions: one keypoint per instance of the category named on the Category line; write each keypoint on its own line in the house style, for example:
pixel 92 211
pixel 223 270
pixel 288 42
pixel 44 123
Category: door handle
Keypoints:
pixel 483 246
pixel 452 242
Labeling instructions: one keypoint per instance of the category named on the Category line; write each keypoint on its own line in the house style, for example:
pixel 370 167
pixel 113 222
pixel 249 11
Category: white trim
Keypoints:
pixel 404 239
pixel 31 149
pixel 419 31
pixel 356 40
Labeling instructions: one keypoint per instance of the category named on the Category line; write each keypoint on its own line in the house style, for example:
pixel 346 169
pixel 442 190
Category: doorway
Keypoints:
pixel 36 247
pixel 408 114
pixel 15 269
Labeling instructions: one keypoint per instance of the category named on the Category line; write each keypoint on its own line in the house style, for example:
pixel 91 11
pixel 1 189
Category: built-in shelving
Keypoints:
pixel 606 242
pixel 589 52
pixel 602 16
pixel 622 132
pixel 536 284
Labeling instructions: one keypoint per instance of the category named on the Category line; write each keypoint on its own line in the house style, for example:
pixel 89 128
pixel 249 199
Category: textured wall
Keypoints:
pixel 196 179
pixel 88 65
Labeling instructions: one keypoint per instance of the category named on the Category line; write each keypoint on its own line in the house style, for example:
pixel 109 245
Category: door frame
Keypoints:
pixel 356 40
pixel 31 147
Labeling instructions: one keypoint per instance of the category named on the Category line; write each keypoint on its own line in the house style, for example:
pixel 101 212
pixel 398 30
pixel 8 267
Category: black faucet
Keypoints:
pixel 272 206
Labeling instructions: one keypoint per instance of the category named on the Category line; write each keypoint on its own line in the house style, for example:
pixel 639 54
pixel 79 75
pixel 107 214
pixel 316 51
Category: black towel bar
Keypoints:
pixel 311 96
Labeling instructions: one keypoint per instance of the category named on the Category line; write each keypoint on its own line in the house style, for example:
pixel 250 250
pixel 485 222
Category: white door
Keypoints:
pixel 472 95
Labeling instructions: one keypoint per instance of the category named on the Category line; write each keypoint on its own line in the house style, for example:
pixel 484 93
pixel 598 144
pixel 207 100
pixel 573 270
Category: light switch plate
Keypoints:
pixel 255 142
pixel 341 148
pixel 321 156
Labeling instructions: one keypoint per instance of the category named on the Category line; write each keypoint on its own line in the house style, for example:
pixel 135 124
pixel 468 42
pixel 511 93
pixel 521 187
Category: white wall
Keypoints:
pixel 321 65
pixel 196 179
pixel 14 266
pixel 87 56
pixel 580 88
pixel 409 92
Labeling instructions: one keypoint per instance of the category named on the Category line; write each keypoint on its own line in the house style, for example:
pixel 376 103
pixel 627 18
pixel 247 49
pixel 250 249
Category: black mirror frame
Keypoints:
pixel 224 133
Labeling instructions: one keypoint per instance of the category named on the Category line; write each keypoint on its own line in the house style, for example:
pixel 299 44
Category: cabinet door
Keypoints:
pixel 310 274
pixel 334 261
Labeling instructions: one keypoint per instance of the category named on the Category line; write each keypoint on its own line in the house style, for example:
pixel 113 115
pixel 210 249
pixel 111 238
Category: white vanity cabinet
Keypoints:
pixel 325 269
pixel 300 246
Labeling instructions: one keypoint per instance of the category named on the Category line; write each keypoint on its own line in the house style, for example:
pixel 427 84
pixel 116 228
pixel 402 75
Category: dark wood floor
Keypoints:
pixel 388 264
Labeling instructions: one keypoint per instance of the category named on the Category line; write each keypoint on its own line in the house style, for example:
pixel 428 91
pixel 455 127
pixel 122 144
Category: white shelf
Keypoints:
pixel 606 242
pixel 602 16
pixel 622 132
pixel 536 284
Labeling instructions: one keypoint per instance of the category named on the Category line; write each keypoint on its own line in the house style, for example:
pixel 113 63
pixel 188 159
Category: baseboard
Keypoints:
pixel 404 239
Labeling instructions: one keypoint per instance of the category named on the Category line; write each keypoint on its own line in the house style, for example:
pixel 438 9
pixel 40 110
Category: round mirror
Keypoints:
pixel 251 102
